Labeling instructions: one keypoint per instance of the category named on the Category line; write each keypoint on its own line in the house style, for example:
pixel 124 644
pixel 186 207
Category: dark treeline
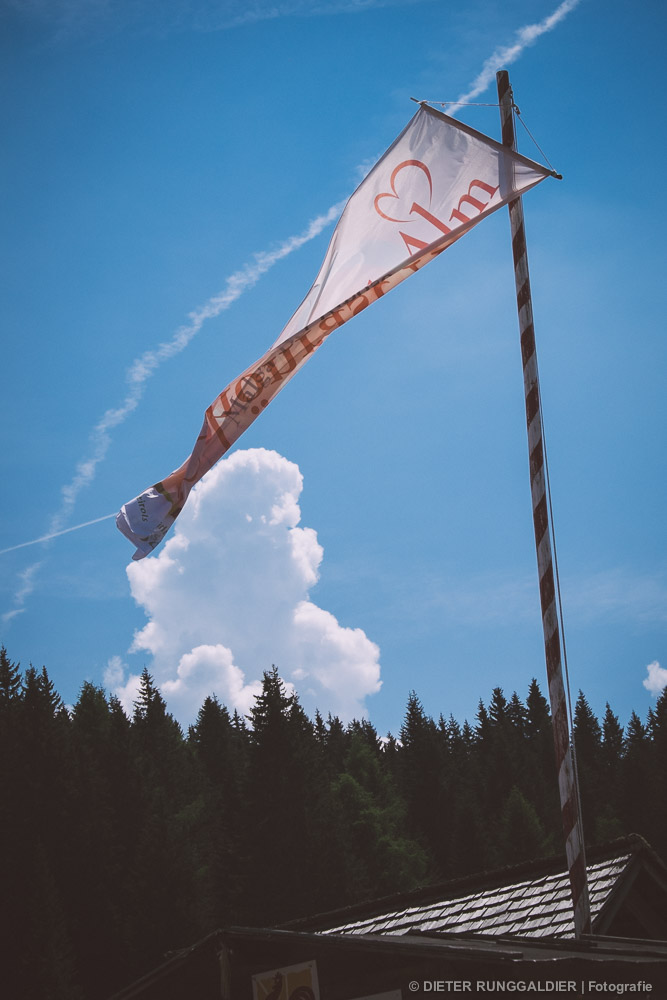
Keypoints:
pixel 124 838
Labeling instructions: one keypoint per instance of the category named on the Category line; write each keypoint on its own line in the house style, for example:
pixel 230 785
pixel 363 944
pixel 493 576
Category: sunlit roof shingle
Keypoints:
pixel 533 908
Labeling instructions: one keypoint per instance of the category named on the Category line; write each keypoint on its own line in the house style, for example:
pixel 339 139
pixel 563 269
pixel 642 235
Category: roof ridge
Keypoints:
pixel 477 883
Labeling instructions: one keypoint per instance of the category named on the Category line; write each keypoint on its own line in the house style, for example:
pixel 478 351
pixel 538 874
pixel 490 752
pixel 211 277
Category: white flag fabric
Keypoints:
pixel 435 182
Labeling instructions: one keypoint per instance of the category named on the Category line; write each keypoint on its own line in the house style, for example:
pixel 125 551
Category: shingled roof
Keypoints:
pixel 532 908
pixel 627 886
pixel 510 926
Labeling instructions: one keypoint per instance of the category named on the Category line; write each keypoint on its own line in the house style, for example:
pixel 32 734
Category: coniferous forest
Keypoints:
pixel 124 838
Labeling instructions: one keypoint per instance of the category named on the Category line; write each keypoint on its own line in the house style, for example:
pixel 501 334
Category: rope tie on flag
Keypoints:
pixel 536 143
pixel 515 109
pixel 461 104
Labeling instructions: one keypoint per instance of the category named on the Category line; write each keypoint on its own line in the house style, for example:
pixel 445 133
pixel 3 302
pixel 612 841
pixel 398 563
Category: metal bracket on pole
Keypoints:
pixel 567 778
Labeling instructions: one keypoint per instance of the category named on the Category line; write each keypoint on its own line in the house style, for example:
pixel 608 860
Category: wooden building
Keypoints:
pixel 509 931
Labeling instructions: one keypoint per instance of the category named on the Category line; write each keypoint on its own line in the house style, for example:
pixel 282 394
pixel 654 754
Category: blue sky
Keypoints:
pixel 166 168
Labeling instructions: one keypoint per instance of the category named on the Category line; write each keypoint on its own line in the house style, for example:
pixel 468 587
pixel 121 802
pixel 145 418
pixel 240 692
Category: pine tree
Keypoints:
pixel 281 799
pixel 222 862
pixel 468 847
pixel 609 823
pixel 538 719
pixel 522 836
pixel 10 682
pixel 333 739
pixel 379 857
pixel 495 752
pixel 657 771
pixel 506 733
pixel 121 837
pixel 636 788
pixel 10 724
pixel 96 829
pixel 160 896
pixel 38 810
pixel 391 752
pixel 423 781
pixel 588 743
pixel 539 777
pixel 13 917
pixel 367 732
pixel 517 713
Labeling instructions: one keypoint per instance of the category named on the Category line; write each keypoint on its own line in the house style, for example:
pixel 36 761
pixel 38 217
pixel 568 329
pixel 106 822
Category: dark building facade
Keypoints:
pixel 505 932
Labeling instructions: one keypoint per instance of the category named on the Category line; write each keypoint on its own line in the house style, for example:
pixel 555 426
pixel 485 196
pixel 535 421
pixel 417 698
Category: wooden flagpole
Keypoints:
pixel 567 776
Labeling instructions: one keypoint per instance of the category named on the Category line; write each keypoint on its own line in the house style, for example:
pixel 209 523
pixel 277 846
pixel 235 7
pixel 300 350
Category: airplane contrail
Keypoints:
pixel 505 55
pixel 143 367
pixel 54 534
pixel 140 370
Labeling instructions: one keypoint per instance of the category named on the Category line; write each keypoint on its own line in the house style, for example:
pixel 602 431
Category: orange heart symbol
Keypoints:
pixel 394 193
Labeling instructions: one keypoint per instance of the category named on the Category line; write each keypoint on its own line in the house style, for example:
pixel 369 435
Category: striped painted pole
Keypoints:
pixel 567 778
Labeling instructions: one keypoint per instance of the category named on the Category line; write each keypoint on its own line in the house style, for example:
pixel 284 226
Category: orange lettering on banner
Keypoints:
pixel 253 382
pixel 407 196
pixel 335 319
pixel 379 290
pixel 231 403
pixel 359 304
pixel 412 244
pixel 308 345
pixel 272 365
pixel 215 418
pixel 222 438
pixel 394 195
pixel 220 407
pixel 475 202
pixel 425 214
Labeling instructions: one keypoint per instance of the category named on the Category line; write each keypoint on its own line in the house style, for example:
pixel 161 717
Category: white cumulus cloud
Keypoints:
pixel 657 678
pixel 209 669
pixel 125 688
pixel 229 596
